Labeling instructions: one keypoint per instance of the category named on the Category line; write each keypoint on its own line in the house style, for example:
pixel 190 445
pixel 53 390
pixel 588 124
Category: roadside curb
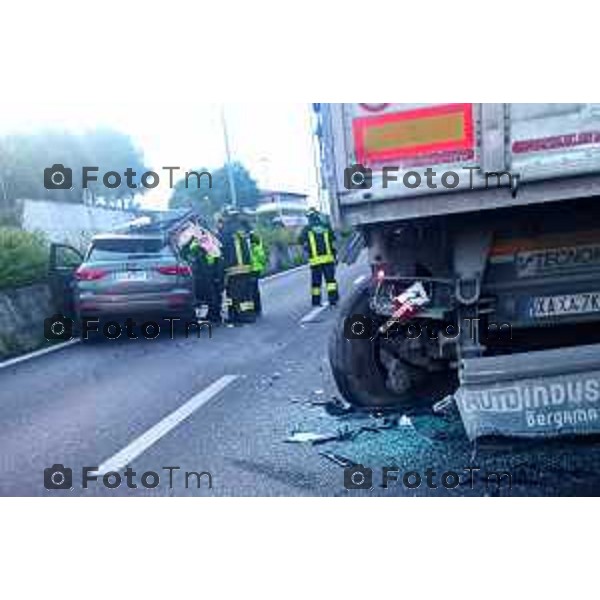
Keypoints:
pixel 19 359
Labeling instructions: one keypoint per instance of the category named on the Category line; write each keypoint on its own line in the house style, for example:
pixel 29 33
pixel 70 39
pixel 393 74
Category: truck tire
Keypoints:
pixel 357 369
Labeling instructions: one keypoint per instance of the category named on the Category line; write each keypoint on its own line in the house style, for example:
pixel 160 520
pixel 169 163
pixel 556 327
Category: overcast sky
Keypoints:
pixel 273 140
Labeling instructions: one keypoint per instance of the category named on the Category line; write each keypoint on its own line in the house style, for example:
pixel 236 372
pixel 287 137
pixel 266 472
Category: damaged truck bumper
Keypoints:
pixel 545 393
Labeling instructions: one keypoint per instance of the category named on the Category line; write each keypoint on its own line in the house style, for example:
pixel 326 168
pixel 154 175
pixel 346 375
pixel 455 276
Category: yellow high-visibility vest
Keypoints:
pixel 242 259
pixel 316 257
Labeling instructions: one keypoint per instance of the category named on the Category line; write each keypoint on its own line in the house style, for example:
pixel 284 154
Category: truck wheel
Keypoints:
pixel 359 369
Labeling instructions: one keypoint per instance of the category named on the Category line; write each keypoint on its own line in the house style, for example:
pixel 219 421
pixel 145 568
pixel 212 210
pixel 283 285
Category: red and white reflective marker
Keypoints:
pixel 406 305
pixel 410 301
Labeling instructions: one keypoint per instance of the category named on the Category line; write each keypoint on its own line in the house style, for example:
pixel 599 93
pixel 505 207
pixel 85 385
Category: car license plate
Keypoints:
pixel 132 276
pixel 568 304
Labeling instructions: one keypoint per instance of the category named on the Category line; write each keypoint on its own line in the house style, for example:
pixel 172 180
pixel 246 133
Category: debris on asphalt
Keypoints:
pixel 445 406
pixel 303 437
pixel 436 436
pixel 336 407
pixel 434 428
pixel 318 402
pixel 382 425
pixel 341 461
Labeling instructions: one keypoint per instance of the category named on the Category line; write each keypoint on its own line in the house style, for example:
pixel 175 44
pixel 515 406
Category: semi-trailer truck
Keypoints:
pixel 482 223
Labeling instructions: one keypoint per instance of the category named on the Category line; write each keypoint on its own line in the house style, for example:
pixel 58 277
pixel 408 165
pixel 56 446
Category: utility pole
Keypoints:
pixel 316 155
pixel 228 155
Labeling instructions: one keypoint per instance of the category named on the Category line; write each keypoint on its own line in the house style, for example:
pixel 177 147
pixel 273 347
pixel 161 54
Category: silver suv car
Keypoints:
pixel 133 275
pixel 125 275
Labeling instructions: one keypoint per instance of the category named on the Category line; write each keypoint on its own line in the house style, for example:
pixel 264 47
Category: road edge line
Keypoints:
pixel 41 352
pixel 282 273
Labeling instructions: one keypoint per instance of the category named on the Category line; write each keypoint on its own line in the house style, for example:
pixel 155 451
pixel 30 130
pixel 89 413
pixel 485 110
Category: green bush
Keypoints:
pixel 299 260
pixel 23 257
pixel 277 237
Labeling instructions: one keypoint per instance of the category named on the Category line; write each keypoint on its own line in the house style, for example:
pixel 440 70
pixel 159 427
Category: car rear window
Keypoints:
pixel 127 248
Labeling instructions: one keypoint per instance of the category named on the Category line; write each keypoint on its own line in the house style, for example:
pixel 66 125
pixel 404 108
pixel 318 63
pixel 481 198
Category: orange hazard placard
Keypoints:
pixel 418 132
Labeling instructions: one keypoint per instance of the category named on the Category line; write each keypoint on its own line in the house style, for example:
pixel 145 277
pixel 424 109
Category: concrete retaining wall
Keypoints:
pixel 22 314
pixel 23 310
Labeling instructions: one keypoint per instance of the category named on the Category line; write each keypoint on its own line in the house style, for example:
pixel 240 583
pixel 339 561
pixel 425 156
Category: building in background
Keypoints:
pixel 285 208
pixel 71 223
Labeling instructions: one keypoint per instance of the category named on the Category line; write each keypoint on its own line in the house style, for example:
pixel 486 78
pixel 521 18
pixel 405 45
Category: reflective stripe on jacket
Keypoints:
pixel 320 246
pixel 259 255
pixel 240 259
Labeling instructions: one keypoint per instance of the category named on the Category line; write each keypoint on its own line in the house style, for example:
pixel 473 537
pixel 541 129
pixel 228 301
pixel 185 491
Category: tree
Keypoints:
pixel 8 193
pixel 195 192
pixel 22 162
pixel 25 157
pixel 214 193
pixel 111 150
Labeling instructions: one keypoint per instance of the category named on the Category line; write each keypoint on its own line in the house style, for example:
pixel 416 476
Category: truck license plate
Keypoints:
pixel 568 304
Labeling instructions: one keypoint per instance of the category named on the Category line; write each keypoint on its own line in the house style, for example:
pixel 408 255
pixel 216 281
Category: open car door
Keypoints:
pixel 64 260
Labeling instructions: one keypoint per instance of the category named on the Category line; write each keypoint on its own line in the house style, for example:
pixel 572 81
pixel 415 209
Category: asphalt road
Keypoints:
pixel 225 406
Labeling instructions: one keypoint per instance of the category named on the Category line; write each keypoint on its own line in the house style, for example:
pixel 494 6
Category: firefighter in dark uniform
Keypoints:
pixel 318 241
pixel 215 287
pixel 240 279
pixel 208 278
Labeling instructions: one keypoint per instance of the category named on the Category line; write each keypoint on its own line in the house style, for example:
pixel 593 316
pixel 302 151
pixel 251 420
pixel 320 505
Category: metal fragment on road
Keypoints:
pixel 341 461
pixel 303 437
pixel 337 407
pixel 445 405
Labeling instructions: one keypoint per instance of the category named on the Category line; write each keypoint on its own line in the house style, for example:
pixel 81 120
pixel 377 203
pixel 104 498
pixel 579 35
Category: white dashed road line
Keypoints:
pixel 313 313
pixel 155 433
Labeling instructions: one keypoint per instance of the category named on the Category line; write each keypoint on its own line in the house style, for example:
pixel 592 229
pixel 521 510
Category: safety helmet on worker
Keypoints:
pixel 313 216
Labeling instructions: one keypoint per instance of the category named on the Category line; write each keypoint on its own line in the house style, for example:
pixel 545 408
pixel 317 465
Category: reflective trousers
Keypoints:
pixel 241 289
pixel 326 272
